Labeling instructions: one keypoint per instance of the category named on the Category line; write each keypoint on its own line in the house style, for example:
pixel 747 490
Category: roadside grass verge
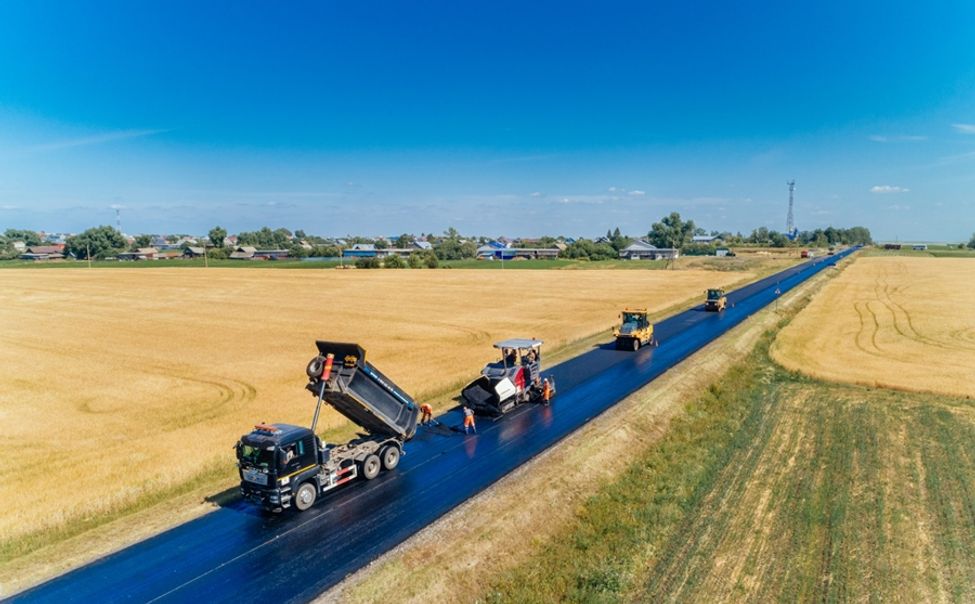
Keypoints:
pixel 773 486
pixel 599 557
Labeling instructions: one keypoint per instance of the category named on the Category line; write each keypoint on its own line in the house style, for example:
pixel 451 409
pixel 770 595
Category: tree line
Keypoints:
pixel 671 231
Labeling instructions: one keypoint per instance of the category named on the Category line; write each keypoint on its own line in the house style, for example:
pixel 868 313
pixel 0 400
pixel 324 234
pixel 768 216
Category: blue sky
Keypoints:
pixel 493 117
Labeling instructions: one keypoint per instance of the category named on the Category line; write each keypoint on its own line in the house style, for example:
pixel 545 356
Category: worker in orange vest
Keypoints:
pixel 427 413
pixel 546 391
pixel 469 421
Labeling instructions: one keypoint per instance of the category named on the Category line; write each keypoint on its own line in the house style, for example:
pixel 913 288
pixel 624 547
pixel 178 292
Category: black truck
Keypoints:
pixel 282 465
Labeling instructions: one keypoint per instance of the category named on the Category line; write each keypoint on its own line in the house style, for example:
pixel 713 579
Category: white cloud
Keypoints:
pixel 964 128
pixel 888 189
pixel 9 207
pixel 96 139
pixel 536 194
pixel 637 192
pixel 898 207
pixel 883 138
pixel 613 189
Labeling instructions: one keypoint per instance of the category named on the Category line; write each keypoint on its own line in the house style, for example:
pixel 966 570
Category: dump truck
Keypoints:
pixel 716 300
pixel 283 465
pixel 635 329
pixel 515 379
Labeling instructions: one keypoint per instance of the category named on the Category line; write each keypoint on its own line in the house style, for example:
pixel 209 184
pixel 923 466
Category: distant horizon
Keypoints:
pixel 523 119
pixel 463 234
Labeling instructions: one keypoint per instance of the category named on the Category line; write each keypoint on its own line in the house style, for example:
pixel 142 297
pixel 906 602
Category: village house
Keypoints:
pixel 642 250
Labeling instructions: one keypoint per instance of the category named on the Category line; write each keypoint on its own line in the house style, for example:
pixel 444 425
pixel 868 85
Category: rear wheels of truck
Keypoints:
pixel 371 466
pixel 305 496
pixel 390 457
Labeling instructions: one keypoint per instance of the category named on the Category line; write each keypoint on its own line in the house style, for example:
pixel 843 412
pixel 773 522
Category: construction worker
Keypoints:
pixel 546 391
pixel 427 413
pixel 469 420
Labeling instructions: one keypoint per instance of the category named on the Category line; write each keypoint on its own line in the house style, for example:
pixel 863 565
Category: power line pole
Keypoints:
pixel 88 254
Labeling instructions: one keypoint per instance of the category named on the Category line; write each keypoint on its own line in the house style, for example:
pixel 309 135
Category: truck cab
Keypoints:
pixel 283 466
pixel 274 457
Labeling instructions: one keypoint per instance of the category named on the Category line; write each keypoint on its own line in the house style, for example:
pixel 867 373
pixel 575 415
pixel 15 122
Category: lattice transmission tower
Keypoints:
pixel 790 221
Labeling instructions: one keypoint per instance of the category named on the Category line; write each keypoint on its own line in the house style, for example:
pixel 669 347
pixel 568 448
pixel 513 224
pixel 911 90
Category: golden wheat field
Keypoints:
pixel 120 382
pixel 898 322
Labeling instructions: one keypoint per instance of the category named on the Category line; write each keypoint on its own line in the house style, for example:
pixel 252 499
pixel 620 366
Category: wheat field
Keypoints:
pixel 899 322
pixel 118 383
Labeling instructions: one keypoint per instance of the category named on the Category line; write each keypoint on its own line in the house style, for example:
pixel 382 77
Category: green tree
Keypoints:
pixel 618 240
pixel 326 251
pixel 971 242
pixel 404 241
pixel 27 236
pixel 216 235
pixel 432 261
pixel 141 241
pixel 778 239
pixel 102 241
pixel 266 238
pixel 300 234
pixel 671 231
pixel 759 236
pixel 452 247
pixel 393 261
pixel 372 262
pixel 589 250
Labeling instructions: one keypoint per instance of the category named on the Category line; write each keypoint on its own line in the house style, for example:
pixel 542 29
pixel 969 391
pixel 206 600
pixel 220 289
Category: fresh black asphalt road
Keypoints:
pixel 240 554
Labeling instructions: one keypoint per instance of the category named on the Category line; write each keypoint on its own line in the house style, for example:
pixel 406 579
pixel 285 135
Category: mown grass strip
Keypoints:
pixel 778 487
pixel 595 561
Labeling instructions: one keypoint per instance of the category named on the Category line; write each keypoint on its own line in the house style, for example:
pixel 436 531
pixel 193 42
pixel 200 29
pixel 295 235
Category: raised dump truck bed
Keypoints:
pixel 361 392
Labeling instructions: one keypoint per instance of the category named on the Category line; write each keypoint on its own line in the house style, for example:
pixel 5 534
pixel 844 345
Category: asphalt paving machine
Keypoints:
pixel 516 378
pixel 282 465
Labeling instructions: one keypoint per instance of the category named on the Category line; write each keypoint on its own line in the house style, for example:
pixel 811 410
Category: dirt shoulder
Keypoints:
pixel 458 556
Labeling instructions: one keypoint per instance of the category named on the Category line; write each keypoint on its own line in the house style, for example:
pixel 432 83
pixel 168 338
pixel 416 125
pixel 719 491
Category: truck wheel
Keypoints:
pixel 636 344
pixel 305 496
pixel 390 457
pixel 371 466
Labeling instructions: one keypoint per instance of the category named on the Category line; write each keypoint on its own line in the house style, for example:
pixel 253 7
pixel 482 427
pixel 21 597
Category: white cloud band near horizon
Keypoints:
pixel 882 138
pixel 96 139
pixel 888 189
pixel 964 128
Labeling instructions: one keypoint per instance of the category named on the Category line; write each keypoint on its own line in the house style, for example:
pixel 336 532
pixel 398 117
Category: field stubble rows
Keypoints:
pixel 899 322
